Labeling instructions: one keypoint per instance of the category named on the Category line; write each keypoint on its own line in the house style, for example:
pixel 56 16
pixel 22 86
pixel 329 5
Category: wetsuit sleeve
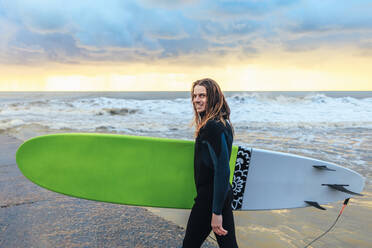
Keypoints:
pixel 219 154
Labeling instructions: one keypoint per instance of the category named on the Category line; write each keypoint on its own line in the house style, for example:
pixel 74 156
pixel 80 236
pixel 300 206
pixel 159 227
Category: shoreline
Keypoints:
pixel 33 216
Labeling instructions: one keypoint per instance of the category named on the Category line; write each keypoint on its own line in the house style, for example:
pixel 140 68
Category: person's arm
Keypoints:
pixel 221 171
pixel 218 151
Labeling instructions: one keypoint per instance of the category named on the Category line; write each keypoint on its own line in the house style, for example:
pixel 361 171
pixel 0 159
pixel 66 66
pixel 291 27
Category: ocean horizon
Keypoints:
pixel 185 94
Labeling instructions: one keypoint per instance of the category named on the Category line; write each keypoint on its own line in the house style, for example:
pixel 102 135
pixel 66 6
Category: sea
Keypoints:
pixel 334 126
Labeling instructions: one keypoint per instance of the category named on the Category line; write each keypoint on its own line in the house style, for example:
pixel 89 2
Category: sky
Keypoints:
pixel 157 45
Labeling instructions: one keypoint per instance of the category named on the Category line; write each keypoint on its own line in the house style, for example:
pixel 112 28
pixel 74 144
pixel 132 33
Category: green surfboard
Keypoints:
pixel 122 169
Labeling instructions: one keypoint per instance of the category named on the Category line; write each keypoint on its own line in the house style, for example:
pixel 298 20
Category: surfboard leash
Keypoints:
pixel 329 229
pixel 322 235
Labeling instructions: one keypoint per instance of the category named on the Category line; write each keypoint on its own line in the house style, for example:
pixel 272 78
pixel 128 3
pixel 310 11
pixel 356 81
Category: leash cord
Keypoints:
pixel 322 235
pixel 329 229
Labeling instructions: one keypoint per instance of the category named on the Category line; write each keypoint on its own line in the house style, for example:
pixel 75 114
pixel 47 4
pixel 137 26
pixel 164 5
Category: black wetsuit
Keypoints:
pixel 214 193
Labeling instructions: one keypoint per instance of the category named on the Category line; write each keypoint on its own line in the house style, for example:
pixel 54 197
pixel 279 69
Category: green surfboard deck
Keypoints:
pixel 131 170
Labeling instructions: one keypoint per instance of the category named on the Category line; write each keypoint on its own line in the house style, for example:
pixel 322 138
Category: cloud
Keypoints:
pixel 69 31
pixel 247 8
pixel 167 4
pixel 331 15
pixel 328 24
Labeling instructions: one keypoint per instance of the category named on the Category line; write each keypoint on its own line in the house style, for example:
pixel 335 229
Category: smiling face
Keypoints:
pixel 200 98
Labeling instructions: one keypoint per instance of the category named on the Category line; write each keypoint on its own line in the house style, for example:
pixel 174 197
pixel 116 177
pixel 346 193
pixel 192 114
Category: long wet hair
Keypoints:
pixel 216 107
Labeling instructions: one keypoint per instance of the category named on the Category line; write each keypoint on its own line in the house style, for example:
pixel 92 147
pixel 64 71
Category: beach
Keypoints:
pixel 331 128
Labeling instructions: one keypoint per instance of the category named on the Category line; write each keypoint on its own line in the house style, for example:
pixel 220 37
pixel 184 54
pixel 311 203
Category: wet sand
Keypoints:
pixel 31 216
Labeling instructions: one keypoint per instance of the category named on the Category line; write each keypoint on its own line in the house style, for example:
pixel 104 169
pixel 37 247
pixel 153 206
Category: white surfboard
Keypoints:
pixel 276 180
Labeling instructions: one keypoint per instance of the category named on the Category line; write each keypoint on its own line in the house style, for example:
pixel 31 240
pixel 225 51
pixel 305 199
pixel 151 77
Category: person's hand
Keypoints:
pixel 217 225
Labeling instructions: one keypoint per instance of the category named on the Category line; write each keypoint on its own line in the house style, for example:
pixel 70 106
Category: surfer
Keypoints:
pixel 214 136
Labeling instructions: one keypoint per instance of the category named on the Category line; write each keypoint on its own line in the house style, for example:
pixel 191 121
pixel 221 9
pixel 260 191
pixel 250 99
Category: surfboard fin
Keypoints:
pixel 323 167
pixel 315 205
pixel 341 187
